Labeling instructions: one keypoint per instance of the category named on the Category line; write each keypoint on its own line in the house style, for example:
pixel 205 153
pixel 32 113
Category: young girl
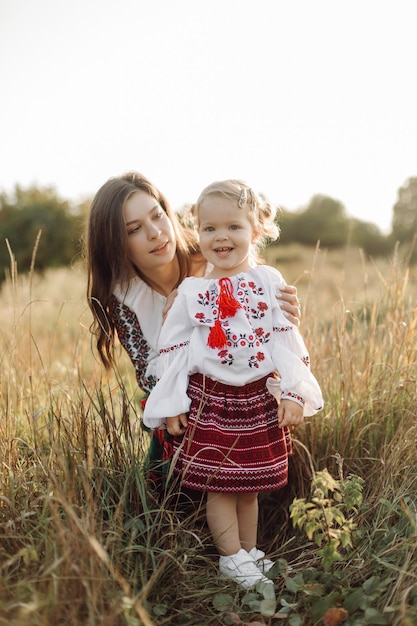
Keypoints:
pixel 137 254
pixel 233 376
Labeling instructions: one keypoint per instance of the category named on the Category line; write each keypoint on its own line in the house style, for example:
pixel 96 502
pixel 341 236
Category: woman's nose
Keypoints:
pixel 153 231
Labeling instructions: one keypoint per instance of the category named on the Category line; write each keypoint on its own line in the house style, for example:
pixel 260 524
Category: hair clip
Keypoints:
pixel 252 199
pixel 242 199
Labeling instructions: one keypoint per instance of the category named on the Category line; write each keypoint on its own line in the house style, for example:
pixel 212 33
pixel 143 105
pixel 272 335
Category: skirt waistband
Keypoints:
pixel 209 385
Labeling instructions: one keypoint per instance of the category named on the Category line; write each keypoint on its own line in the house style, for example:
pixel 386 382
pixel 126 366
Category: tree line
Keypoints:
pixel 325 220
pixel 40 229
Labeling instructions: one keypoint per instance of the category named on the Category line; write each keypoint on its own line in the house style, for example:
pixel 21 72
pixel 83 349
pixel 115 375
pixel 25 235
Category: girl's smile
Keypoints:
pixel 222 251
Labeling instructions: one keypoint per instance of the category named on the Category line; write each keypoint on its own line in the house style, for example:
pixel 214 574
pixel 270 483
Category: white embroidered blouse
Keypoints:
pixel 259 341
pixel 137 314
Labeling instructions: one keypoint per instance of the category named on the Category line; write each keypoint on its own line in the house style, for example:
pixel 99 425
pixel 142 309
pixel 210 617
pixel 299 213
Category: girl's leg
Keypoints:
pixel 247 514
pixel 247 519
pixel 232 519
pixel 222 520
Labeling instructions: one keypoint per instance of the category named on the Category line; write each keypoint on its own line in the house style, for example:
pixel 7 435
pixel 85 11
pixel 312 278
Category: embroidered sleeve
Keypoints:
pixel 292 361
pixel 169 397
pixel 130 336
pixel 290 395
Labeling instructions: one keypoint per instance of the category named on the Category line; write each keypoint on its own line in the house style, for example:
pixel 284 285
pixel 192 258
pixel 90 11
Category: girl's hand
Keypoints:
pixel 290 304
pixel 290 413
pixel 176 425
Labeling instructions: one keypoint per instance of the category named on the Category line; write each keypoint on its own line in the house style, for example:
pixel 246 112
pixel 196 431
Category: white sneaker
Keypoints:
pixel 264 565
pixel 242 568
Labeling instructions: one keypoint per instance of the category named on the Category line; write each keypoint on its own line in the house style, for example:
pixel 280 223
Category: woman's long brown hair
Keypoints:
pixel 106 252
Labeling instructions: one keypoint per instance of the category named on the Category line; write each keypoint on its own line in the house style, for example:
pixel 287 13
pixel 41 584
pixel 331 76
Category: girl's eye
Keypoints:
pixel 132 231
pixel 209 229
pixel 158 215
pixel 234 227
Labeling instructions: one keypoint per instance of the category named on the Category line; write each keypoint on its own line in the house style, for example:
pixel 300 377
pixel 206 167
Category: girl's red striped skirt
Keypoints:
pixel 233 442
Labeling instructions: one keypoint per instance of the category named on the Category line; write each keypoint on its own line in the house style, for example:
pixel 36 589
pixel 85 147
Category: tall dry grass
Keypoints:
pixel 83 540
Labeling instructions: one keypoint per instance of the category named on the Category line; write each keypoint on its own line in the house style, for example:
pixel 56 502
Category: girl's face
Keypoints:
pixel 151 240
pixel 226 236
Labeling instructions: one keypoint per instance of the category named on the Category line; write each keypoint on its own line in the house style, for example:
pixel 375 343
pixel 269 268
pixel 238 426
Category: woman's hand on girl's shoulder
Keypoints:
pixel 290 304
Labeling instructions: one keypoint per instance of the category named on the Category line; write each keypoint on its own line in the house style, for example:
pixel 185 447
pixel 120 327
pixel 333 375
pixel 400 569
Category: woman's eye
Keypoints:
pixel 158 215
pixel 132 231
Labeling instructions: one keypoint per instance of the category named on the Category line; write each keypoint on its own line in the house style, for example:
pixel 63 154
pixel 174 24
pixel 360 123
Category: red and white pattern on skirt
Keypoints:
pixel 233 442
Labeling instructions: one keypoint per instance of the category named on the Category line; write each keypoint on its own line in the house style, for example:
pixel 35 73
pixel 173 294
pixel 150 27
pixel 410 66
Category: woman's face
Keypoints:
pixel 150 235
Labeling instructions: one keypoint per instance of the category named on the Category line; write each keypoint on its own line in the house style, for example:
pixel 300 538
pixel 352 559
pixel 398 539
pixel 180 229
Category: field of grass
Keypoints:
pixel 84 541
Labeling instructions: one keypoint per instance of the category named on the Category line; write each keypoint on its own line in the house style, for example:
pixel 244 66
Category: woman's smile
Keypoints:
pixel 161 248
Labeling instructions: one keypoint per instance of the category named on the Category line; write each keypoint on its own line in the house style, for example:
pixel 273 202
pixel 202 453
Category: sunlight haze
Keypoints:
pixel 297 98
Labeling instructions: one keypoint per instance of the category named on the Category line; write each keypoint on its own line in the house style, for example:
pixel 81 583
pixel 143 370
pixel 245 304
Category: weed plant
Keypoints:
pixel 86 540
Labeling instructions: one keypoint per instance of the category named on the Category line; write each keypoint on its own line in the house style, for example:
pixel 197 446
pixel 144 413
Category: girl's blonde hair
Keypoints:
pixel 261 213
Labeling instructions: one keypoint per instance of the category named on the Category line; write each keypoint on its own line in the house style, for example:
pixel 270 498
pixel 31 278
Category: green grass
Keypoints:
pixel 85 541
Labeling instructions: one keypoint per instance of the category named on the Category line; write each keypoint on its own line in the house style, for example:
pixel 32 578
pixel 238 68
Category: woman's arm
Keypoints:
pixel 131 337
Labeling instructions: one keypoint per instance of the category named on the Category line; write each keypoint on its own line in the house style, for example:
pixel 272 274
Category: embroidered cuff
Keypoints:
pixel 175 346
pixel 294 397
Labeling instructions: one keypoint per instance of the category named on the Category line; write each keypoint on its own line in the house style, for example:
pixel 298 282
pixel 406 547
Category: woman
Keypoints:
pixel 137 255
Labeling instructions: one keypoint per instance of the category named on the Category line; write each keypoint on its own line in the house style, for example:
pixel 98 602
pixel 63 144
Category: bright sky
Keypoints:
pixel 296 97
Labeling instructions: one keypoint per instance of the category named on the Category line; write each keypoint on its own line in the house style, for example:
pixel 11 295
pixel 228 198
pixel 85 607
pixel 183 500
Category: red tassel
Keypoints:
pixel 227 303
pixel 217 336
pixel 227 306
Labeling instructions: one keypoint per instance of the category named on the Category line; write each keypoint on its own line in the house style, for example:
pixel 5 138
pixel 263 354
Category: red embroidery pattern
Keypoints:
pixel 293 396
pixel 255 359
pixel 259 312
pixel 209 312
pixel 131 337
pixel 175 346
pixel 256 290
